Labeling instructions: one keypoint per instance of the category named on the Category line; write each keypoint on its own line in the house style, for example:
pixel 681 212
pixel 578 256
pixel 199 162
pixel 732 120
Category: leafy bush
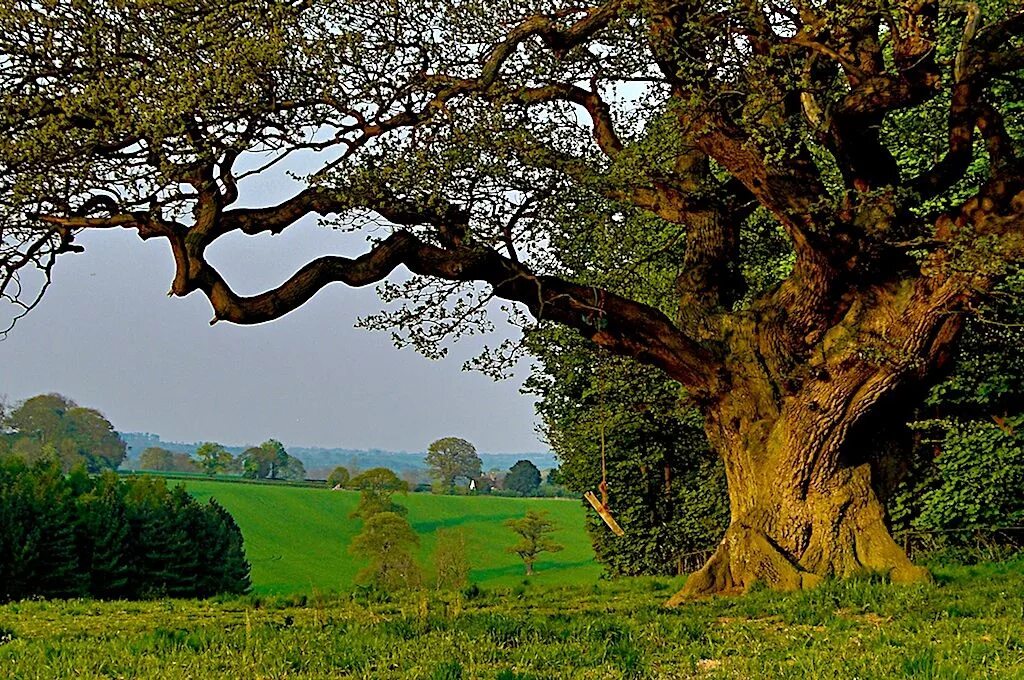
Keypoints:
pixel 967 471
pixel 976 481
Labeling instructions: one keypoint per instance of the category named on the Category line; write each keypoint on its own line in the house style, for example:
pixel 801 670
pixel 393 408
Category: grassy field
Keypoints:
pixel 969 624
pixel 297 538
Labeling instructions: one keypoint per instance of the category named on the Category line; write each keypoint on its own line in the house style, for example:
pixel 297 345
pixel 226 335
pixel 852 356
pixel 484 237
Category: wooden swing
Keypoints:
pixel 602 505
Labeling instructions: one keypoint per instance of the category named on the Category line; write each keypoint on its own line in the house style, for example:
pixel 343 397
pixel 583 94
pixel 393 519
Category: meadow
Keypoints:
pixel 297 537
pixel 968 624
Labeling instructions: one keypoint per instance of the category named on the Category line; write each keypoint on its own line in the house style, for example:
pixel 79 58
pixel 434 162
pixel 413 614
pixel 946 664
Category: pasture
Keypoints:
pixel 297 538
pixel 969 624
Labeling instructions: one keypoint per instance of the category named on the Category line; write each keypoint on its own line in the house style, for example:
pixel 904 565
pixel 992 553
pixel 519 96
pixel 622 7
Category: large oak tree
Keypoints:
pixel 492 143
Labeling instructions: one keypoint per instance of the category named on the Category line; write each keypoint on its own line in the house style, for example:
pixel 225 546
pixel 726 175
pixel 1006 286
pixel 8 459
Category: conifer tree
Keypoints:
pixel 105 550
pixel 54 570
pixel 227 552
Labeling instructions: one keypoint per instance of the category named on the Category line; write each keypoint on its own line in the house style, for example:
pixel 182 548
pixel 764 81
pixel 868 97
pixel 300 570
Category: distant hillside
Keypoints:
pixel 297 539
pixel 319 458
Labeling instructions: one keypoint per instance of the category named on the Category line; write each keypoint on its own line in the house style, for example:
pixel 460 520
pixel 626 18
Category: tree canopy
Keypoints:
pixel 376 487
pixel 523 477
pixel 615 168
pixel 54 426
pixel 451 457
pixel 270 460
pixel 339 476
pixel 214 458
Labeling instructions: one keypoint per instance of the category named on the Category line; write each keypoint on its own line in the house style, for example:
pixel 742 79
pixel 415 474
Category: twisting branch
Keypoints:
pixel 631 327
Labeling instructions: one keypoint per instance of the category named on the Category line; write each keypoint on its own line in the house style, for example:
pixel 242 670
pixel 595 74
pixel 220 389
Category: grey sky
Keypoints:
pixel 108 336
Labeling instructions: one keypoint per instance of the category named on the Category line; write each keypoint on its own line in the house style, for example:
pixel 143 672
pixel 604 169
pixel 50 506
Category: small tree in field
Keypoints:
pixel 450 559
pixel 387 541
pixel 533 530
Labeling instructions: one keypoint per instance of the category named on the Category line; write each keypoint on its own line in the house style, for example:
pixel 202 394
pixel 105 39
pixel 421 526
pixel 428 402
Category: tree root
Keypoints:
pixel 744 557
pixel 747 556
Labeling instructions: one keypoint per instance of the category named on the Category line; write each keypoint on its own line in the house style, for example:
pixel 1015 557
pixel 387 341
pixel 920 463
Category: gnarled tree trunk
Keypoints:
pixel 791 430
pixel 788 534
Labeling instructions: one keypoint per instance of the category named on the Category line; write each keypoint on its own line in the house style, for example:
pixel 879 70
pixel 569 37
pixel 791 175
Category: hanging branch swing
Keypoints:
pixel 601 506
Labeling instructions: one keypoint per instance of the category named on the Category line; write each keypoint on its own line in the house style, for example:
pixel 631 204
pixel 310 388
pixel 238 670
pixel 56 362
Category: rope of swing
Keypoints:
pixel 603 414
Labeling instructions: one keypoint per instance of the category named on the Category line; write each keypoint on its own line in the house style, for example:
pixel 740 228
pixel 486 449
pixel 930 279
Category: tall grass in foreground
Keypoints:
pixel 969 624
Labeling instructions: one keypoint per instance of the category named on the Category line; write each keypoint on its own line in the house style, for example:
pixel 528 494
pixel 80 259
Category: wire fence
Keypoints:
pixel 978 543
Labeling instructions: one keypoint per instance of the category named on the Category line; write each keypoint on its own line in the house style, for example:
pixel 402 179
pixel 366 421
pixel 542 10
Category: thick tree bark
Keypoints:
pixel 786 537
pixel 789 427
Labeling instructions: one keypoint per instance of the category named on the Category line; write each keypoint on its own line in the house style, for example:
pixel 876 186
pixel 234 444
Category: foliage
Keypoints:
pixel 270 460
pixel 159 459
pixel 54 426
pixel 339 477
pixel 451 562
pixel 555 477
pixel 977 478
pixel 534 532
pixel 621 170
pixel 293 469
pixel 214 458
pixel 523 478
pixel 967 626
pixel 76 535
pixel 387 541
pixel 450 458
pixel 967 465
pixel 264 461
pixel 666 487
pixel 376 486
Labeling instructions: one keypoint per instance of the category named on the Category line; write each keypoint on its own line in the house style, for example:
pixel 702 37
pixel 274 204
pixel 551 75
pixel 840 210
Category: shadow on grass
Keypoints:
pixel 518 570
pixel 448 522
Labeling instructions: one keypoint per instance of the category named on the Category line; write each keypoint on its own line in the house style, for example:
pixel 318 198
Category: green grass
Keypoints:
pixel 969 624
pixel 297 538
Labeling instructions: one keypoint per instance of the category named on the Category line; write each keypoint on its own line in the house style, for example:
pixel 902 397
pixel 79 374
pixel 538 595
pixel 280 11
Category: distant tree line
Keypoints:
pixel 159 459
pixel 452 459
pixel 269 460
pixel 75 535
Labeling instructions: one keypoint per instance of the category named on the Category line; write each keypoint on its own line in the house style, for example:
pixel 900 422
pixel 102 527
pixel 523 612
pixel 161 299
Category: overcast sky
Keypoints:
pixel 107 335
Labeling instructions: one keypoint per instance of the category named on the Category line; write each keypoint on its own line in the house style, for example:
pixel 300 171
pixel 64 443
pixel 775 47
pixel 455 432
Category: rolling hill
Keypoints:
pixel 297 538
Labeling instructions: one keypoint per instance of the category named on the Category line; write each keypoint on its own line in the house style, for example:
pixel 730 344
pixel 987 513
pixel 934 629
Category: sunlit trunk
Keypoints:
pixel 798 515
